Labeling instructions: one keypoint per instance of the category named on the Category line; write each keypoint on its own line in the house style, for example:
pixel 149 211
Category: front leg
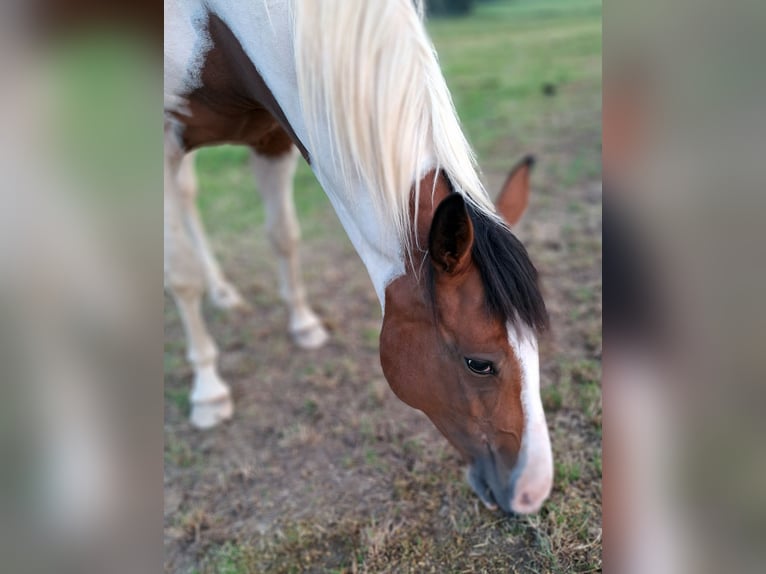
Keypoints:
pixel 274 175
pixel 184 277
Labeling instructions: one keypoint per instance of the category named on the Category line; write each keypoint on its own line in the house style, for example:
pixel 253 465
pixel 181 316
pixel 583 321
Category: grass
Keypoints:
pixel 229 558
pixel 178 452
pixel 497 63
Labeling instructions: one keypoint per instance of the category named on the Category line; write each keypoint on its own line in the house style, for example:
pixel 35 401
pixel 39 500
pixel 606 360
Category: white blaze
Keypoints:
pixel 534 476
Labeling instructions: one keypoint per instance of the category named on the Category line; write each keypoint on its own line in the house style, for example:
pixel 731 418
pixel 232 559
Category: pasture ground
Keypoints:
pixel 323 469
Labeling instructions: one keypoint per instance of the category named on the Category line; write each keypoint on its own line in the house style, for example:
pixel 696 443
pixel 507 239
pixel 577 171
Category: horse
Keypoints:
pixel 356 89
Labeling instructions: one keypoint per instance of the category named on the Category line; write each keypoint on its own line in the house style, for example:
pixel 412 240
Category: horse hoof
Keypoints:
pixel 225 296
pixel 210 414
pixel 311 337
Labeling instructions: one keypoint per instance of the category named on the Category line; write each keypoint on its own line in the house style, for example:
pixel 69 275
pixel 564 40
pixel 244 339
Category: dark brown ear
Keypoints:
pixel 514 196
pixel 451 236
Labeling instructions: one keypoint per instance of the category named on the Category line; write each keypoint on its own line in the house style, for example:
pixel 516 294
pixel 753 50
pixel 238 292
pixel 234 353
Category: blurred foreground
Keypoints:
pixel 80 296
pixel 684 270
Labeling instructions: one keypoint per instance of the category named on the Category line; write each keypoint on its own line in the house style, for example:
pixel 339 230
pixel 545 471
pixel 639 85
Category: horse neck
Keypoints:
pixel 264 31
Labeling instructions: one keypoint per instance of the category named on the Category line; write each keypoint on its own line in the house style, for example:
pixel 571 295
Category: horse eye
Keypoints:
pixel 480 367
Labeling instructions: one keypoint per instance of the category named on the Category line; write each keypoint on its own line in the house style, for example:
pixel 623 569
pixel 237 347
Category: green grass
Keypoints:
pixel 497 61
pixel 178 452
pixel 568 472
pixel 310 408
pixel 230 558
pixel 179 398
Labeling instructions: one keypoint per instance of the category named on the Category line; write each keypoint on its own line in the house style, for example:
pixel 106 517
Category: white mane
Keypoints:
pixel 368 71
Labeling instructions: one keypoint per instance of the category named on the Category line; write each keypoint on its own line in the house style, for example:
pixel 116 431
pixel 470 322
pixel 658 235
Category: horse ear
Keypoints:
pixel 451 236
pixel 514 196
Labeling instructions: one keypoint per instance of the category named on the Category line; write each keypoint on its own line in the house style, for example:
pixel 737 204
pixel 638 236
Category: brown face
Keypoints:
pixel 448 356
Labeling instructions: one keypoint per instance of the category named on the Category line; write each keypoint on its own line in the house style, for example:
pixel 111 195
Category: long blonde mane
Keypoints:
pixel 368 72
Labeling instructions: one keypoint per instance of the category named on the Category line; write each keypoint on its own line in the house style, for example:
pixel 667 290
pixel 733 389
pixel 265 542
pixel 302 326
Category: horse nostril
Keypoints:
pixel 525 499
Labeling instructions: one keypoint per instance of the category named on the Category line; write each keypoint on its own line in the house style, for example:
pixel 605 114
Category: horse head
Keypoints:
pixel 459 341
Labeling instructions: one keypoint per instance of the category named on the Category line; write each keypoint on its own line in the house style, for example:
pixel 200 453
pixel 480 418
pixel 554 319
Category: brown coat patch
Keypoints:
pixel 234 104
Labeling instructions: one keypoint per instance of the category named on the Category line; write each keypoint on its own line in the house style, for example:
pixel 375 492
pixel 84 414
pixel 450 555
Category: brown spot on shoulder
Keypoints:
pixel 275 143
pixel 234 103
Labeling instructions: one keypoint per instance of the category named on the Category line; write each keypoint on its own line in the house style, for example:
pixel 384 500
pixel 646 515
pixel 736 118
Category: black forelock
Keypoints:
pixel 510 279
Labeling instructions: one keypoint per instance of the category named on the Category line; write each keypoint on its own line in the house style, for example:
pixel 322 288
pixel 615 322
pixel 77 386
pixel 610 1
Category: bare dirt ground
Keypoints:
pixel 324 469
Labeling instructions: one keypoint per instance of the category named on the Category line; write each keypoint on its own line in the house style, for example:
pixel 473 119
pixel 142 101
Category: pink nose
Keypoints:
pixel 533 484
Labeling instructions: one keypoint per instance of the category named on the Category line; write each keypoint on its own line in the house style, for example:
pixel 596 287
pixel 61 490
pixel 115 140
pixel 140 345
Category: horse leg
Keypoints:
pixel 274 176
pixel 184 277
pixel 221 292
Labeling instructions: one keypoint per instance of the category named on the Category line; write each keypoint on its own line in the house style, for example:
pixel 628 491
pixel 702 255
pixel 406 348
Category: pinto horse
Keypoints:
pixel 355 87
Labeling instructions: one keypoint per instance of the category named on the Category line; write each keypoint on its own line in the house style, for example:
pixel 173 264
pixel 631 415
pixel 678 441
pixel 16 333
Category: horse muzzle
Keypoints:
pixel 521 490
